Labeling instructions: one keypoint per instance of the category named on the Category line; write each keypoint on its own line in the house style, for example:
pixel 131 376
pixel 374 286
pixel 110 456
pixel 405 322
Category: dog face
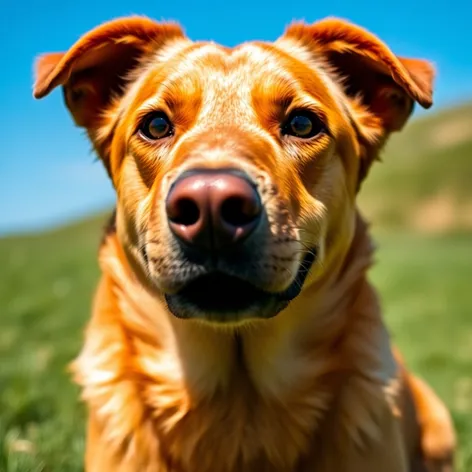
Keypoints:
pixel 236 170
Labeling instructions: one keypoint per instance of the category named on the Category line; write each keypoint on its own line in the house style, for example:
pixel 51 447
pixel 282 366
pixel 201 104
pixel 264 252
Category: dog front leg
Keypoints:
pixel 336 451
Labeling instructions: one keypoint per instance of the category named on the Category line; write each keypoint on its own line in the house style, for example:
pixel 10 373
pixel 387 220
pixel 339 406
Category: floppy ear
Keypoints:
pixel 96 68
pixel 381 86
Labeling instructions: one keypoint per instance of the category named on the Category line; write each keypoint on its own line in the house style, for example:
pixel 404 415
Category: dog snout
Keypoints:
pixel 209 209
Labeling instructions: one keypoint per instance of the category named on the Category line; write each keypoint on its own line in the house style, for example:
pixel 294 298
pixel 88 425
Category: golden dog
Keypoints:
pixel 234 328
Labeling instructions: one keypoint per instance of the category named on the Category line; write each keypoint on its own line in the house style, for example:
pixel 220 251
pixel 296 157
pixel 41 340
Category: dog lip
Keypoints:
pixel 220 297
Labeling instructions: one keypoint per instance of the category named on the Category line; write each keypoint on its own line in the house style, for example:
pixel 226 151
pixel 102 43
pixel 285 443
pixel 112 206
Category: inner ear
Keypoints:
pixel 365 81
pixel 95 81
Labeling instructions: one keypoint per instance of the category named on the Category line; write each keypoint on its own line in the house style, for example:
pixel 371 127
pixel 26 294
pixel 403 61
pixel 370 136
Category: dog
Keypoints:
pixel 233 327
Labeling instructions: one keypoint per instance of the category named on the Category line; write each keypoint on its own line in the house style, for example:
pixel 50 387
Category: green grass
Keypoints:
pixel 45 287
pixel 47 280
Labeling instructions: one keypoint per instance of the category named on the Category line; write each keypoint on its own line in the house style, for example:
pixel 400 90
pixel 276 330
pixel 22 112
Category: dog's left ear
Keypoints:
pixel 381 86
pixel 98 68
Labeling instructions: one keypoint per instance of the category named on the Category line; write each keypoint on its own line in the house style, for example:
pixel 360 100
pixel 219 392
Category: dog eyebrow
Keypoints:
pixel 289 48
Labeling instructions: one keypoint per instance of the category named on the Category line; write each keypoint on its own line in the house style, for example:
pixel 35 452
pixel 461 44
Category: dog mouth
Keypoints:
pixel 219 297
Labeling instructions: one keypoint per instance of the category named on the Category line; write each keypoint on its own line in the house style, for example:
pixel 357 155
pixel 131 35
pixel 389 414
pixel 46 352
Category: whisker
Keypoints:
pixel 293 277
pixel 303 230
pixel 153 241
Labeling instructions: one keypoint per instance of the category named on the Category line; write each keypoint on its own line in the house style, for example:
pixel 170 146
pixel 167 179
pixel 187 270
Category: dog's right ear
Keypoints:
pixel 381 87
pixel 96 68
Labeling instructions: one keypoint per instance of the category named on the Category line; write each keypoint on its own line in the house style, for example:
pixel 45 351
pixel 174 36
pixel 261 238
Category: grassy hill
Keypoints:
pixel 420 200
pixel 424 181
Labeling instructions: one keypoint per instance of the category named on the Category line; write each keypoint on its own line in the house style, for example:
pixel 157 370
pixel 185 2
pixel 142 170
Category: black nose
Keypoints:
pixel 212 209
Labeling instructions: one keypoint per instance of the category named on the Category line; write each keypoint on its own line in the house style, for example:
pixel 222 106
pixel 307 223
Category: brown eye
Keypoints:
pixel 304 125
pixel 156 126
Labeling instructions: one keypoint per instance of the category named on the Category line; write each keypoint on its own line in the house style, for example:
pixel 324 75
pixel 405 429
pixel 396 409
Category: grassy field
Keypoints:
pixel 423 274
pixel 424 180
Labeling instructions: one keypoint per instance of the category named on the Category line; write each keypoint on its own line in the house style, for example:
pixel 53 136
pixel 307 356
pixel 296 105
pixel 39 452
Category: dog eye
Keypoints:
pixel 304 125
pixel 156 126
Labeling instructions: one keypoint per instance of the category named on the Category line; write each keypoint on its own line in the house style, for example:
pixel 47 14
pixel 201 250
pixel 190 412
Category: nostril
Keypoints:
pixel 239 211
pixel 185 212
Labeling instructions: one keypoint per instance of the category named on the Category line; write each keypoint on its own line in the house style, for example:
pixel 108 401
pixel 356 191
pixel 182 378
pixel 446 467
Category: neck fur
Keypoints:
pixel 139 362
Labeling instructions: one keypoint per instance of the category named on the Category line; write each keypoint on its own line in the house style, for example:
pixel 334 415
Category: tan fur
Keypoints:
pixel 317 387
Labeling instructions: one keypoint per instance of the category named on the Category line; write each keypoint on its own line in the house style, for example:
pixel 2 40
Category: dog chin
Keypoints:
pixel 221 298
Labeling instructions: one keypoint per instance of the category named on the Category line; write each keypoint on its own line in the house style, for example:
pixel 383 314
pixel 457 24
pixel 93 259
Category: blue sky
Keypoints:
pixel 48 174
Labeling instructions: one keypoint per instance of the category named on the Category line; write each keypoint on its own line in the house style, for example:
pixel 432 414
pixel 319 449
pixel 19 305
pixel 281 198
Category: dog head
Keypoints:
pixel 236 170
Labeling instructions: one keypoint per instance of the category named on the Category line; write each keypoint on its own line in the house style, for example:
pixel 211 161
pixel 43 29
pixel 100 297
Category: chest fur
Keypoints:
pixel 238 429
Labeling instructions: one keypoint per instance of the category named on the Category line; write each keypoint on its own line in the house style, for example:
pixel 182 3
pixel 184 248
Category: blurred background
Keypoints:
pixel 55 197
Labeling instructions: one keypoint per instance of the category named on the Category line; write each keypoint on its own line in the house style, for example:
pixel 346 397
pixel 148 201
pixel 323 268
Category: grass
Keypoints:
pixel 45 288
pixel 47 280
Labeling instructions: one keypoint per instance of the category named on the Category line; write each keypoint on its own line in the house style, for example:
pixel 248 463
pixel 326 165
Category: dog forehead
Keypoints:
pixel 255 68
pixel 247 60
pixel 209 68
pixel 243 73
pixel 229 72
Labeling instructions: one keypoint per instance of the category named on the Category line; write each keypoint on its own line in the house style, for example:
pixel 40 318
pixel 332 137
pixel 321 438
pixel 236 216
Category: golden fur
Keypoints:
pixel 316 388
